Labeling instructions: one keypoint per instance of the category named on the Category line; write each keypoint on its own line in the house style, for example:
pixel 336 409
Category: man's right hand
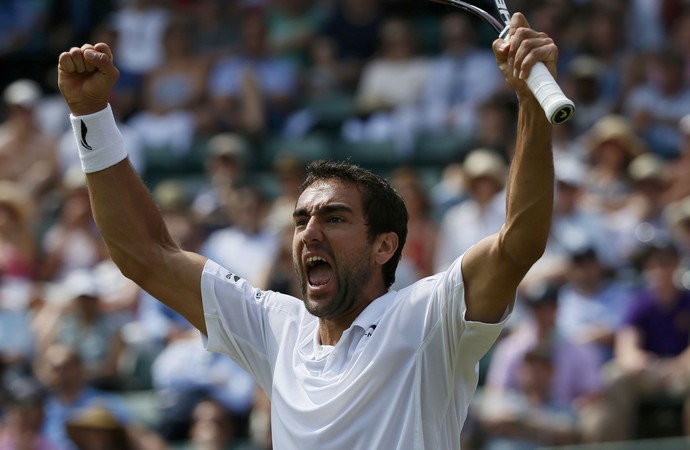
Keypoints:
pixel 86 77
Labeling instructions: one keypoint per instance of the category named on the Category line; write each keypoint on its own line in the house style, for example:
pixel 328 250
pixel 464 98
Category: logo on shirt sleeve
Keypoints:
pixel 233 277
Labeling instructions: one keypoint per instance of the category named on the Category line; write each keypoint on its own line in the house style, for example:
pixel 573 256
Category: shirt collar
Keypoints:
pixel 373 312
pixel 370 316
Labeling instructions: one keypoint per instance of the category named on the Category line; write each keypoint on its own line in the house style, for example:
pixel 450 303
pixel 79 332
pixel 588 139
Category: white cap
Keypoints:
pixel 483 162
pixel 81 283
pixel 570 171
pixel 22 92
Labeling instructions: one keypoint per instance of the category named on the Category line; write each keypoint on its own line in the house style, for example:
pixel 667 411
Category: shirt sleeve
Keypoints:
pixel 464 341
pixel 244 322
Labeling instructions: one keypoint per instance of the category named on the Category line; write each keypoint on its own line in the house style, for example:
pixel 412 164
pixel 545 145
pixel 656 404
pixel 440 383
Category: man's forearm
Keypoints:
pixel 128 219
pixel 530 186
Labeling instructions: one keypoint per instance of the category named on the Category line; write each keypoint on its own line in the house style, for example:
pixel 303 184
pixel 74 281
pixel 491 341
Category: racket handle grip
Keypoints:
pixel 557 107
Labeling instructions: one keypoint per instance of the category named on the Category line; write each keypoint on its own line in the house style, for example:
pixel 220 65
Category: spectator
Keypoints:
pixel 591 303
pixel 213 428
pixel 254 66
pixel 225 166
pixel 17 342
pixel 576 383
pixel 17 243
pixel 641 219
pixel 493 130
pixel 292 24
pixel 140 26
pixel 70 22
pixel 288 169
pixel 83 326
pixel 646 31
pixel 603 37
pixel 184 374
pixel 172 92
pixel 461 78
pixel 572 226
pixel 679 182
pixel 422 230
pixel 611 145
pixel 97 428
pixel 677 219
pixel 280 275
pixel 20 36
pixel 391 84
pixel 656 106
pixel 354 27
pixel 527 417
pixel 584 81
pixel 215 33
pixel 480 214
pixel 60 369
pixel 248 235
pixel 73 241
pixel 27 156
pixel 651 358
pixel 20 427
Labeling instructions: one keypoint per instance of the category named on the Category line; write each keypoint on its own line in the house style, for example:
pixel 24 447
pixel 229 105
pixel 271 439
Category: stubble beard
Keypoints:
pixel 350 282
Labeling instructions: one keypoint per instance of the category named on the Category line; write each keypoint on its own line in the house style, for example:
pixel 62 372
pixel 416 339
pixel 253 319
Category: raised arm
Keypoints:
pixel 495 266
pixel 125 213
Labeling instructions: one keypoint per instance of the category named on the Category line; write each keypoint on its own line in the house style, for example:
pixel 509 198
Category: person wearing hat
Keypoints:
pixel 225 165
pixel 97 428
pixel 611 145
pixel 481 213
pixel 82 324
pixel 62 372
pixel 27 156
pixel 641 219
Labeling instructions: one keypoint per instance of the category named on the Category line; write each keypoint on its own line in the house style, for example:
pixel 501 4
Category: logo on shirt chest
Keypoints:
pixel 370 331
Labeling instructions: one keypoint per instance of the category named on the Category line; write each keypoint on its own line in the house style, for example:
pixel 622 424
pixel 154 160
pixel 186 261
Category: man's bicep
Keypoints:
pixel 491 278
pixel 177 284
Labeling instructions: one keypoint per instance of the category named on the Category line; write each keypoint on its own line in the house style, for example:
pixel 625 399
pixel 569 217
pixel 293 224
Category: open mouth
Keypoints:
pixel 319 272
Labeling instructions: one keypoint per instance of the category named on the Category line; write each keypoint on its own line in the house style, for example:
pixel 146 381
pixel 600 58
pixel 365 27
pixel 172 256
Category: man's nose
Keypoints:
pixel 312 230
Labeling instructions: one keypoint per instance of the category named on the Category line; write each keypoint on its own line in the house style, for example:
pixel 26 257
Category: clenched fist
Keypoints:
pixel 86 77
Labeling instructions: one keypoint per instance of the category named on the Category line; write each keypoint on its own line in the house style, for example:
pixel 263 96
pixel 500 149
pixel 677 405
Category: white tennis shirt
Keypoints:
pixel 401 377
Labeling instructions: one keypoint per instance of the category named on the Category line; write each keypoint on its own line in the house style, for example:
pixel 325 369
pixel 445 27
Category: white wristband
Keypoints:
pixel 99 140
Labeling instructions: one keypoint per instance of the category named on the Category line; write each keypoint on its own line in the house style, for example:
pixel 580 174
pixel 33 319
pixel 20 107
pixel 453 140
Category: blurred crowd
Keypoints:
pixel 222 104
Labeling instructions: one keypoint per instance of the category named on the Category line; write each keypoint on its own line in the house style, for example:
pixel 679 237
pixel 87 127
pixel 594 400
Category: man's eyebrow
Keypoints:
pixel 326 209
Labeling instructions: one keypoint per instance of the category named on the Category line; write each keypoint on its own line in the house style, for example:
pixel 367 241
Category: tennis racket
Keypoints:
pixel 557 107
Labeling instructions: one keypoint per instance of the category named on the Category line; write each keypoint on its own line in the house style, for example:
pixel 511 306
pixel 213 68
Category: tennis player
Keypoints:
pixel 352 365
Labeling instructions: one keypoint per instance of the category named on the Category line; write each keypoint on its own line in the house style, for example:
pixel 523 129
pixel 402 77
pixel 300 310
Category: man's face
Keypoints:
pixel 332 253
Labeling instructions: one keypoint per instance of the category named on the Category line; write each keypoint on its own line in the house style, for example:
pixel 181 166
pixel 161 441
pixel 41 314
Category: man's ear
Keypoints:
pixel 386 245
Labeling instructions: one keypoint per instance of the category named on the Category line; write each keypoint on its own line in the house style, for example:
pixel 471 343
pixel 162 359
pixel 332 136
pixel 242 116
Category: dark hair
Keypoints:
pixel 384 210
pixel 539 294
pixel 658 247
